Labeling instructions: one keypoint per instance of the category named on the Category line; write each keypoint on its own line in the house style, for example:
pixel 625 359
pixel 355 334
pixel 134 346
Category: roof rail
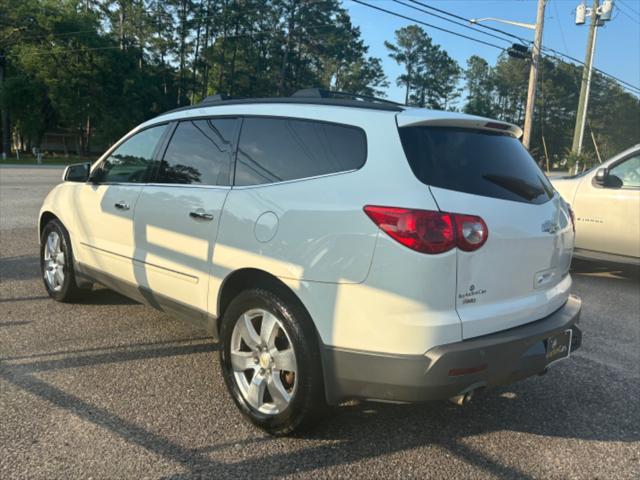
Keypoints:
pixel 310 96
pixel 323 93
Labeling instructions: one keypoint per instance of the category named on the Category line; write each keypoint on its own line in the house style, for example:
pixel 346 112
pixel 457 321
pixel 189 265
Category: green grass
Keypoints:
pixel 46 160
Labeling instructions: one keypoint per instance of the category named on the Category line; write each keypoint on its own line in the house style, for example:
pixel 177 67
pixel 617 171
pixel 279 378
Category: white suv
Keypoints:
pixel 337 247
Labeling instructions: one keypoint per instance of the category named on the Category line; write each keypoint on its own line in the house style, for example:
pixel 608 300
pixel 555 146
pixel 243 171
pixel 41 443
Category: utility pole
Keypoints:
pixel 4 116
pixel 518 52
pixel 533 75
pixel 581 114
pixel 597 15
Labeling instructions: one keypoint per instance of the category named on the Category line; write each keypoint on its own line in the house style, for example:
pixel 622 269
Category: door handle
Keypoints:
pixel 122 205
pixel 200 214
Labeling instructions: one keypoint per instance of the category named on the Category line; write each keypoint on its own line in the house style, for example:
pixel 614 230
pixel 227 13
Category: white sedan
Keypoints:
pixel 606 204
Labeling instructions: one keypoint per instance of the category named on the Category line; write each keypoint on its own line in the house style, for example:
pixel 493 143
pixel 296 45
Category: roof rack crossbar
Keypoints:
pixel 323 93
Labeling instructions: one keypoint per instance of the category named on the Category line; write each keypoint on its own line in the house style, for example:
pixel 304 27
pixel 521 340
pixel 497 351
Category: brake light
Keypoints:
pixel 427 231
pixel 420 230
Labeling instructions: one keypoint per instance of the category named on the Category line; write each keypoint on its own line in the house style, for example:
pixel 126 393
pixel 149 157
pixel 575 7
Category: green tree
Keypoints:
pixel 410 41
pixel 431 75
pixel 479 86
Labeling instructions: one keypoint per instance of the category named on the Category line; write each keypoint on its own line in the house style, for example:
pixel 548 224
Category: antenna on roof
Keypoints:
pixel 218 97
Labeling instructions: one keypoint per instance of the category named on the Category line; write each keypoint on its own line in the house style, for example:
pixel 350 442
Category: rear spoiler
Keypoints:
pixel 413 117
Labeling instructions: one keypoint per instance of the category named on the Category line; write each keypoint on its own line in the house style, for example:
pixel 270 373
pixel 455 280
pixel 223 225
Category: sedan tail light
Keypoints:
pixel 427 231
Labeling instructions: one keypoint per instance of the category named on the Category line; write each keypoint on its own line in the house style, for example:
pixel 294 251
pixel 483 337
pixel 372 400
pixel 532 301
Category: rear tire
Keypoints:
pixel 270 362
pixel 56 263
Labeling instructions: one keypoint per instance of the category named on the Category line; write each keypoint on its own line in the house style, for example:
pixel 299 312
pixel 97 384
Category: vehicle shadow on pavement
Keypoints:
pixel 629 273
pixel 103 296
pixel 23 267
pixel 551 406
pixel 100 296
pixel 24 299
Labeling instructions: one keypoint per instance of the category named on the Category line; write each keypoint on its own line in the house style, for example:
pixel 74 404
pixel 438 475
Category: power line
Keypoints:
pixel 620 2
pixel 628 15
pixel 564 41
pixel 464 25
pixel 428 24
pixel 444 12
pixel 557 53
pixel 566 49
pixel 487 27
pixel 544 49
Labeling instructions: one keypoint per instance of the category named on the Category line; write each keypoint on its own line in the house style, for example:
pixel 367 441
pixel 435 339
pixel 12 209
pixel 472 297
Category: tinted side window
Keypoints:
pixel 475 161
pixel 275 150
pixel 200 152
pixel 131 162
pixel 628 172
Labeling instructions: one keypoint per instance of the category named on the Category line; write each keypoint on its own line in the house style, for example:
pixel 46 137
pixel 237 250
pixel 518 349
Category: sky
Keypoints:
pixel 617 48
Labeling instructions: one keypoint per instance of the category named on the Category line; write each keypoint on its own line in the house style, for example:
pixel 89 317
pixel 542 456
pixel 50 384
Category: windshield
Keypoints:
pixel 475 161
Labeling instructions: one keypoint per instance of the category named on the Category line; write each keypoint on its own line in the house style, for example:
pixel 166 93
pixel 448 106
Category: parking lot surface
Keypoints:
pixel 108 388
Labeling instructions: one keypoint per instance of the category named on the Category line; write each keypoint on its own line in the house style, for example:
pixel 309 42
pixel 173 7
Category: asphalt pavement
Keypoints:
pixel 108 388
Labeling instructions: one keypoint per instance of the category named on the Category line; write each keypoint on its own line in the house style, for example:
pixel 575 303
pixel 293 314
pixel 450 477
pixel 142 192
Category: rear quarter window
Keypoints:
pixel 473 161
pixel 274 150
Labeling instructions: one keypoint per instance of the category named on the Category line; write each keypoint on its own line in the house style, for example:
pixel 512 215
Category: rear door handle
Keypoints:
pixel 122 205
pixel 200 214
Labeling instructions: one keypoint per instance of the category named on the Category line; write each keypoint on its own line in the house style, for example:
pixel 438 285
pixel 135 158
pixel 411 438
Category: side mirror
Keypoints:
pixel 601 176
pixel 78 172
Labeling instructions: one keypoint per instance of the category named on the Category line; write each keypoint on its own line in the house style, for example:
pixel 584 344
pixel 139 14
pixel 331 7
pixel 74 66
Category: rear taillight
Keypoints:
pixel 420 230
pixel 471 232
pixel 426 231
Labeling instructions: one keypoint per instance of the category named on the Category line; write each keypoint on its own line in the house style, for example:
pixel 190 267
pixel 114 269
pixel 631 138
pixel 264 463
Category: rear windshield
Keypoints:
pixel 473 161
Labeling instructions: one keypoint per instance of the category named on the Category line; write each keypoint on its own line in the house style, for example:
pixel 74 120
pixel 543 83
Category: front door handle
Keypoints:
pixel 122 205
pixel 200 214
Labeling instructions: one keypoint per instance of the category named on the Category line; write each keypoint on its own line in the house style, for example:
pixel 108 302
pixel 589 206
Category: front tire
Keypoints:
pixel 56 263
pixel 270 362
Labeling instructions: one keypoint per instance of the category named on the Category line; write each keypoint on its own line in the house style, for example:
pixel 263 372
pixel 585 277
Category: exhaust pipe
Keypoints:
pixel 463 398
pixel 467 394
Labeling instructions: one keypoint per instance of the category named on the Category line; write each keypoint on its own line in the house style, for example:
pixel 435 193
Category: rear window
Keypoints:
pixel 274 150
pixel 477 162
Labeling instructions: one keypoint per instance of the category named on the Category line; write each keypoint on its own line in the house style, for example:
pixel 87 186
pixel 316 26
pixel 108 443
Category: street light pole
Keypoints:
pixel 533 75
pixel 535 60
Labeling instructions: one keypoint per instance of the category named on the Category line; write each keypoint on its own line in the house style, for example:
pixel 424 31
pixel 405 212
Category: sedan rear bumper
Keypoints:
pixel 448 370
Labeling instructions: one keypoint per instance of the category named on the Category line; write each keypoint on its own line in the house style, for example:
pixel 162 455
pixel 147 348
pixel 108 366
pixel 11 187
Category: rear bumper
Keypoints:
pixel 504 357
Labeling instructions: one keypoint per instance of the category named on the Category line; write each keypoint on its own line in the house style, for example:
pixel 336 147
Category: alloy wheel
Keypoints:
pixel 263 361
pixel 54 262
